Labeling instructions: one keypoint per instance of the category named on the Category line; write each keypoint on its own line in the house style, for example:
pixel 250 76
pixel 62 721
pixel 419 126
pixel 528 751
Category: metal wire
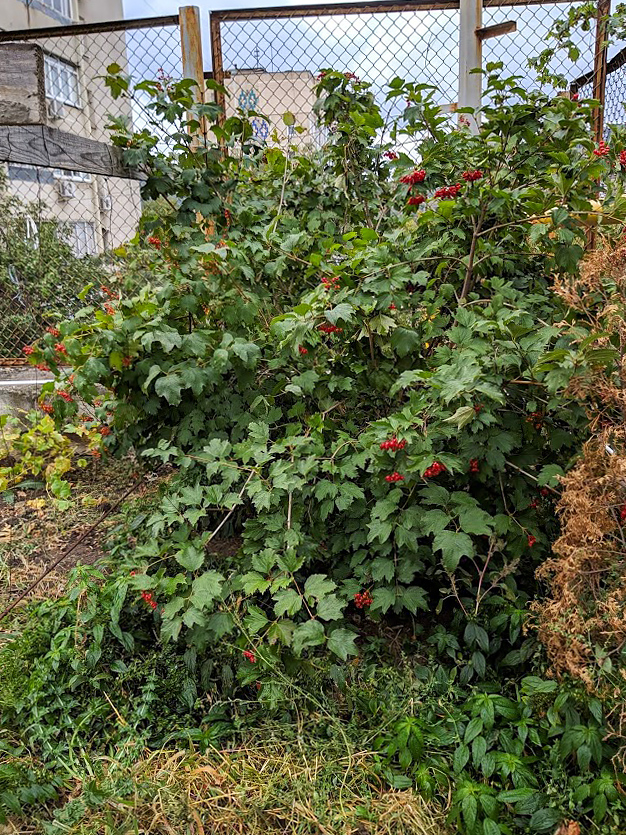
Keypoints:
pixel 93 214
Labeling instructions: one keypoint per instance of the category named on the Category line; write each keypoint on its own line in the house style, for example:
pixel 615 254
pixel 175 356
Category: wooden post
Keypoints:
pixel 191 49
pixel 470 58
pixel 217 61
pixel 599 66
pixel 22 86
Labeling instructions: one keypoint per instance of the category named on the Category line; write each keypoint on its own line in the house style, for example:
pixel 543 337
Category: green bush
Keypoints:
pixel 356 369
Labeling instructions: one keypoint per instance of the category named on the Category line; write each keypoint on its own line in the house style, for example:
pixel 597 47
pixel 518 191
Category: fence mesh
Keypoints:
pixel 270 61
pixel 91 215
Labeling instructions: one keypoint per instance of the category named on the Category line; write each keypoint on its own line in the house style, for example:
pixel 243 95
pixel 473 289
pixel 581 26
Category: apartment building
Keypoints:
pixel 273 94
pixel 97 213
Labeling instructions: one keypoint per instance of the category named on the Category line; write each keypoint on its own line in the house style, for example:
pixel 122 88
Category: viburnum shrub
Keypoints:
pixel 297 319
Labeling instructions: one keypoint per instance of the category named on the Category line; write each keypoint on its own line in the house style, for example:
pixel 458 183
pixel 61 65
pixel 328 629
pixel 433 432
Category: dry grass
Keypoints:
pixel 260 789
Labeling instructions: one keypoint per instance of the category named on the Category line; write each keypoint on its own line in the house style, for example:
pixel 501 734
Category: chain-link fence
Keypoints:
pixel 91 214
pixel 268 59
pixel 615 90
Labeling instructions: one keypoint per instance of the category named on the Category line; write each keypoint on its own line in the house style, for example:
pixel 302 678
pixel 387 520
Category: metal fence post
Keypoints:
pixel 470 57
pixel 599 66
pixel 217 60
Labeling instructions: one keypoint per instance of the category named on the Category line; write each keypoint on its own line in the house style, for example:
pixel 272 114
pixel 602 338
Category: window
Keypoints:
pixel 61 81
pixel 82 238
pixel 63 7
pixel 76 176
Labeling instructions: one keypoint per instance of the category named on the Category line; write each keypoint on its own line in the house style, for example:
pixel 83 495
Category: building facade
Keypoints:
pixel 96 213
pixel 273 94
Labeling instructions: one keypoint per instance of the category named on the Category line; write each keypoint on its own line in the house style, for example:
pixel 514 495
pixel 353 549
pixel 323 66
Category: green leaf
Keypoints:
pixel 317 586
pixel 476 521
pixel 289 119
pixel 474 728
pixel 341 642
pixel 453 546
pixel 340 313
pixel 532 685
pixel 544 820
pixel 169 387
pixel 490 827
pixel 308 634
pixel 255 619
pixel 287 602
pixel 190 557
pixel 206 588
pixel 330 607
pixel 548 475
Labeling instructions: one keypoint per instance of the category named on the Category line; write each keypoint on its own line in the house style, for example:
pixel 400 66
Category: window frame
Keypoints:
pixel 65 11
pixel 85 244
pixel 74 176
pixel 64 85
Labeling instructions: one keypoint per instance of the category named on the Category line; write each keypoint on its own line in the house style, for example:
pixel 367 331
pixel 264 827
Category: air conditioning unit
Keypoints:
pixel 106 203
pixel 55 110
pixel 66 189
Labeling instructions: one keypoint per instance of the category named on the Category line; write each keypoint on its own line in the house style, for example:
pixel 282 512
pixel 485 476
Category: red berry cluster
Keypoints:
pixel 146 595
pixel 390 155
pixel 330 283
pixel 392 306
pixel 28 350
pixel 434 470
pixel 534 504
pixel 448 191
pixel 472 176
pixel 415 177
pixel 126 361
pixel 393 444
pixel 302 350
pixel 575 96
pixel 622 159
pixel 394 477
pixel 47 408
pixel 363 599
pixel 622 513
pixel 536 418
pixel 478 407
pixel 53 331
pixel 227 217
pixel 249 656
pixel 602 150
pixel 350 76
pixel 60 347
pixel 42 366
pixel 65 395
pixel 416 200
pixel 544 492
pixel 154 241
pixel 474 466
pixel 104 431
pixel 329 329
pixel 109 309
pixel 531 540
pixel 108 292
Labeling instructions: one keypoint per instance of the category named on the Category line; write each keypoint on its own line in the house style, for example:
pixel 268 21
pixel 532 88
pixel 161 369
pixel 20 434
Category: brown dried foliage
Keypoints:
pixel 583 623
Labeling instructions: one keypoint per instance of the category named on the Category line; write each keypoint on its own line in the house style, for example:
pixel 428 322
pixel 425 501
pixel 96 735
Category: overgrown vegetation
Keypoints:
pixel 36 260
pixel 362 375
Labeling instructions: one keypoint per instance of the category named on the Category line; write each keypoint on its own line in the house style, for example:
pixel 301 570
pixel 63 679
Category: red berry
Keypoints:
pixel 474 465
pixel 472 176
pixel 53 331
pixel 249 656
pixel 416 177
pixel 45 407
pixel 622 513
pixel 390 155
pixel 622 159
pixel 544 491
pixel 302 350
pixel 154 241
pixel 60 347
pixel 448 191
pixel 531 540
pixel 362 599
pixel 602 150
pixel 434 469
pixel 28 350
